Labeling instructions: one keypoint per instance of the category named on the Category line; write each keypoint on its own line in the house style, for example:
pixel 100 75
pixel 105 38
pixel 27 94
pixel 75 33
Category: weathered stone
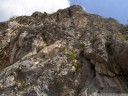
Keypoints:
pixel 67 53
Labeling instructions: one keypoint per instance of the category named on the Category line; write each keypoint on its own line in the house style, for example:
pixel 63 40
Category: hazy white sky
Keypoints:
pixel 10 8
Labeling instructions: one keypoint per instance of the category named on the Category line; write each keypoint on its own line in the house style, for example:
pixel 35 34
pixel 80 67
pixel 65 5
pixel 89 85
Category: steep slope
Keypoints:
pixel 67 53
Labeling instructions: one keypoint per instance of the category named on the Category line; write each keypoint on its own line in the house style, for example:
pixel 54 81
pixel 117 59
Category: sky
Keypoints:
pixel 116 9
pixel 9 8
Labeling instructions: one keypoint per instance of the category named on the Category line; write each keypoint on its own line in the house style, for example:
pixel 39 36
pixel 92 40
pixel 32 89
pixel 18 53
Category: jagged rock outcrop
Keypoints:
pixel 67 53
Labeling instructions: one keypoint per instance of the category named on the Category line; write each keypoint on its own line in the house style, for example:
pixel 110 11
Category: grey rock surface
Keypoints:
pixel 67 53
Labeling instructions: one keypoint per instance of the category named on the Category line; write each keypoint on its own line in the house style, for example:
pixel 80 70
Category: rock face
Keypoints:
pixel 67 53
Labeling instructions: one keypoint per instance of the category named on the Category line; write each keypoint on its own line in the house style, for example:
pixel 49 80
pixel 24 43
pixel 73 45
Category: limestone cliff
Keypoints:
pixel 67 53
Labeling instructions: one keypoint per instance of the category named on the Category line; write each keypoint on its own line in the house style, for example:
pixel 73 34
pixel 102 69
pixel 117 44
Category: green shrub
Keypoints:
pixel 72 57
pixel 12 18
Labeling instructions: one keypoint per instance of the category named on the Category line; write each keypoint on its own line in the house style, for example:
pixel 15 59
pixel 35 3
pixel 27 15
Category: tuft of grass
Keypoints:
pixel 71 54
pixel 65 88
pixel 82 45
pixel 120 37
pixel 75 63
pixel 57 71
